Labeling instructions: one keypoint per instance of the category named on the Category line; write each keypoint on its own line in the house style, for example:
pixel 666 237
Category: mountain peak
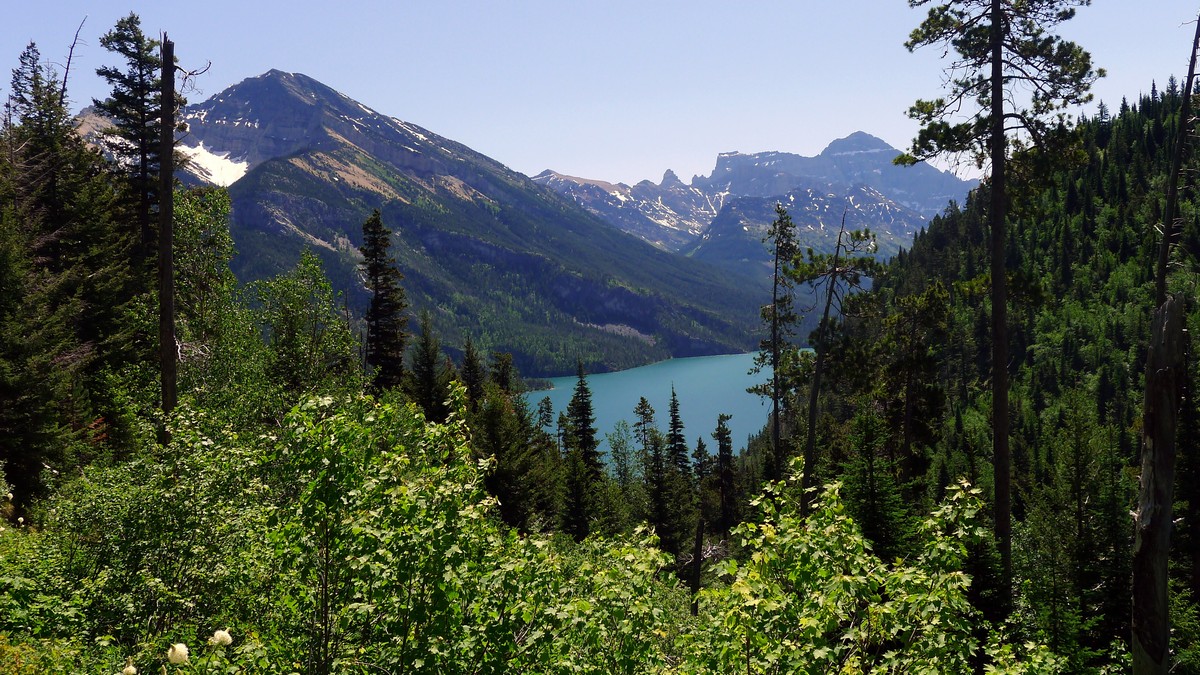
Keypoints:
pixel 856 143
pixel 669 180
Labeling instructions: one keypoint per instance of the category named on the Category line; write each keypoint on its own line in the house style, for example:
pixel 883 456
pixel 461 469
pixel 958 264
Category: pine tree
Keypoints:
pixel 726 478
pixel 428 380
pixel 472 373
pixel 583 425
pixel 836 275
pixel 781 318
pixel 386 316
pixel 677 448
pixel 1001 49
pixel 134 108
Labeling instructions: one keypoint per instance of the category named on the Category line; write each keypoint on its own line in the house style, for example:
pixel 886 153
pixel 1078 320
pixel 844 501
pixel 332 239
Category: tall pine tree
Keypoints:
pixel 1002 49
pixel 428 382
pixel 583 425
pixel 677 448
pixel 134 108
pixel 386 316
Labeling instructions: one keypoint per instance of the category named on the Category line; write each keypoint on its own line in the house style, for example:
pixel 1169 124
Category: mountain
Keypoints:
pixel 703 218
pixel 483 248
pixel 858 159
pixel 734 239
pixel 669 215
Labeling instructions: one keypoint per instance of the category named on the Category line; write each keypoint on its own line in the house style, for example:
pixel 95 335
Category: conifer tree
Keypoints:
pixel 726 479
pixel 386 316
pixel 472 373
pixel 836 275
pixel 620 444
pixel 545 413
pixel 700 460
pixel 677 448
pixel 579 495
pixel 644 427
pixel 1002 49
pixel 781 317
pixel 524 476
pixel 583 425
pixel 428 381
pixel 61 321
pixel 504 373
pixel 134 108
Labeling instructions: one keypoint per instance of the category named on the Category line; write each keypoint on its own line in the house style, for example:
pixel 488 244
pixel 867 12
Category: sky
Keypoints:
pixel 617 90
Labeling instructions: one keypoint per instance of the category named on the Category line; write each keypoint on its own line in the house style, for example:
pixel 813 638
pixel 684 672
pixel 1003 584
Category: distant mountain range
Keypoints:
pixel 544 268
pixel 723 218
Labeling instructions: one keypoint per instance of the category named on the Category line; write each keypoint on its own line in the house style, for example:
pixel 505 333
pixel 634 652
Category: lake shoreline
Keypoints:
pixel 705 386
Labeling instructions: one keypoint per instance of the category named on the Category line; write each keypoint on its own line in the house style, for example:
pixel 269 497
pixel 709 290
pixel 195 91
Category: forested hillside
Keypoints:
pixel 331 496
pixel 908 406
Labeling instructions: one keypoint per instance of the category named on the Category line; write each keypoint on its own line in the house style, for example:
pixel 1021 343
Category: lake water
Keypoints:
pixel 706 386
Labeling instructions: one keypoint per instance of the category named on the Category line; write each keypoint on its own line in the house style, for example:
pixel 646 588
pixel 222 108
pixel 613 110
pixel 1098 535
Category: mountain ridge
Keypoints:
pixel 660 215
pixel 485 249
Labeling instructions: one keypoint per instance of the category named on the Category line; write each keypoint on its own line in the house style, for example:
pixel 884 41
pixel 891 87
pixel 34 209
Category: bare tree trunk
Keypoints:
pixel 1165 375
pixel 1165 381
pixel 1164 247
pixel 697 563
pixel 776 452
pixel 1002 461
pixel 809 478
pixel 166 216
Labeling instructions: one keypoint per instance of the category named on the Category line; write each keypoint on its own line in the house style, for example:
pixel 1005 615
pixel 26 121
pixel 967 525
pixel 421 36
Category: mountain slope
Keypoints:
pixel 734 240
pixel 485 249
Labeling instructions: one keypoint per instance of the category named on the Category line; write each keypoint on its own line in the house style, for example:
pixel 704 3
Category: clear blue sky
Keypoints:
pixel 619 90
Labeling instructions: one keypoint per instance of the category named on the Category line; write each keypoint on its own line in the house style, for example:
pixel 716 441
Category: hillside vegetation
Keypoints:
pixel 308 508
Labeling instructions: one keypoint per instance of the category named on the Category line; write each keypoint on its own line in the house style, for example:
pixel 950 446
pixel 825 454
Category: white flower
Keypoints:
pixel 129 668
pixel 20 520
pixel 221 637
pixel 178 653
pixel 10 497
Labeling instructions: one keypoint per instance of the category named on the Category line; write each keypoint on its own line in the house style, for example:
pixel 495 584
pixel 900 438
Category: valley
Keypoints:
pixel 551 269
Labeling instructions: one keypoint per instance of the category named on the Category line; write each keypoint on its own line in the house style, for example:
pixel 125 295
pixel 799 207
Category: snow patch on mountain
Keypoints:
pixel 218 169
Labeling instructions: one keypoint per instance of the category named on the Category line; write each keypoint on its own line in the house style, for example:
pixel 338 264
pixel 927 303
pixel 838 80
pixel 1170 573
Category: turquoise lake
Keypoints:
pixel 706 386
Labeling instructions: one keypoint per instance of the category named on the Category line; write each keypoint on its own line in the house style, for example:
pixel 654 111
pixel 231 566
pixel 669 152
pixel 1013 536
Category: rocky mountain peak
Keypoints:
pixel 856 143
pixel 670 180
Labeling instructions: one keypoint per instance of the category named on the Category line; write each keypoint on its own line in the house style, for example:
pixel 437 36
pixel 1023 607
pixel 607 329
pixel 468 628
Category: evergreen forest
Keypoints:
pixel 333 493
